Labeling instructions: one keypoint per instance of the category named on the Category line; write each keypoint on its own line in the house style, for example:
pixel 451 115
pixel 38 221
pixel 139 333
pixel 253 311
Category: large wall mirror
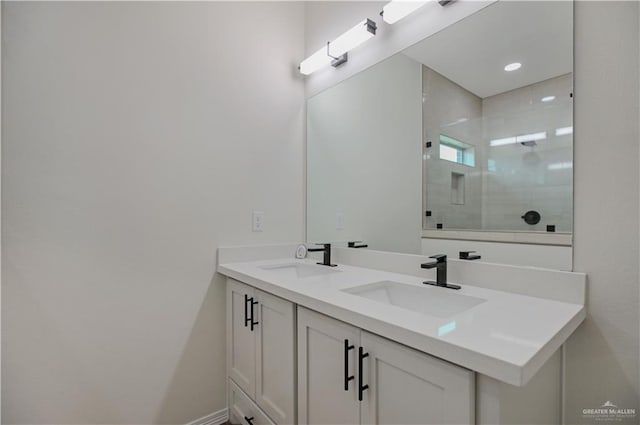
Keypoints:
pixel 465 136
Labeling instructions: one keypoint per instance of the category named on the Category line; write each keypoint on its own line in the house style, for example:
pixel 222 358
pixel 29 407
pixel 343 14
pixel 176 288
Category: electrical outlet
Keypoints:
pixel 258 221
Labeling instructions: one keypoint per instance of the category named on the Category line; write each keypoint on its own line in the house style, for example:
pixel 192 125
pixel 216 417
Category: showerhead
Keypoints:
pixel 531 159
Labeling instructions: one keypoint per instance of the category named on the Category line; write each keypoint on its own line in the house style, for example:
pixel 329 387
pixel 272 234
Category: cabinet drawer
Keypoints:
pixel 242 408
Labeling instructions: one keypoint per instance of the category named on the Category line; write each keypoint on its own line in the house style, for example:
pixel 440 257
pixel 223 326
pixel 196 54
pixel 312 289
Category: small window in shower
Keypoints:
pixel 456 151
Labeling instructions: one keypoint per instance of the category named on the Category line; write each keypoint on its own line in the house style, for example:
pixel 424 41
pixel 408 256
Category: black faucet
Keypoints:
pixel 466 255
pixel 354 244
pixel 326 261
pixel 441 272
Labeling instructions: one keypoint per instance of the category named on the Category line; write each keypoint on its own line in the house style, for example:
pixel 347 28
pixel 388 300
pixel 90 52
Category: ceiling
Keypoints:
pixel 473 52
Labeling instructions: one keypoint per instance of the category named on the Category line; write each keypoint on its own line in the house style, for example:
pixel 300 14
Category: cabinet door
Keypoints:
pixel 275 378
pixel 410 387
pixel 241 340
pixel 322 398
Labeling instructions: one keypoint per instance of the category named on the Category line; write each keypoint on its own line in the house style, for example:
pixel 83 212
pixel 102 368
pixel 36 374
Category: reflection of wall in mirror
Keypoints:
pixel 363 159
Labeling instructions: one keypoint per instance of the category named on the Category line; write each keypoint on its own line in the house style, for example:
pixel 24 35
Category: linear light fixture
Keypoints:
pixel 531 137
pixel 335 52
pixel 524 138
pixel 563 131
pixel 560 165
pixel 395 10
pixel 504 141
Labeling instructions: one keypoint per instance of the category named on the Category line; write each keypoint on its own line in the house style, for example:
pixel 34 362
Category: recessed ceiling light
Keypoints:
pixel 513 66
pixel 548 98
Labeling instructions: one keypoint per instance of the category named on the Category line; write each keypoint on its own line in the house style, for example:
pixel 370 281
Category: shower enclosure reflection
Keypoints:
pixel 502 162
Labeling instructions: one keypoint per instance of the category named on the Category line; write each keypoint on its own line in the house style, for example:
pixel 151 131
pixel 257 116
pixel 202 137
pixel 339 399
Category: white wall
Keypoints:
pixel 352 131
pixel 137 137
pixel 602 356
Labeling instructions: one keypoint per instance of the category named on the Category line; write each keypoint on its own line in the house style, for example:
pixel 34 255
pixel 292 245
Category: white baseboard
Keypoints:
pixel 215 418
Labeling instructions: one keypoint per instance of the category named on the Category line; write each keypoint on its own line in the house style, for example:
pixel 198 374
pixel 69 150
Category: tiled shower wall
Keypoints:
pixel 524 178
pixel 507 180
pixel 446 104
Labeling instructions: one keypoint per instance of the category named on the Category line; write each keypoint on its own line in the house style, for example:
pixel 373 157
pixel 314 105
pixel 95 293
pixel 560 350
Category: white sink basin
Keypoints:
pixel 301 270
pixel 439 302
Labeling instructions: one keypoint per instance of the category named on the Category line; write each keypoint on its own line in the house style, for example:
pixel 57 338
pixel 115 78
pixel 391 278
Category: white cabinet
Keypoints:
pixel 308 368
pixel 241 339
pixel 260 349
pixel 349 376
pixel 326 363
pixel 275 358
pixel 410 387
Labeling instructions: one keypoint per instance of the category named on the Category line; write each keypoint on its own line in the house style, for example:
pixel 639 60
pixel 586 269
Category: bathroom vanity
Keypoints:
pixel 440 148
pixel 367 342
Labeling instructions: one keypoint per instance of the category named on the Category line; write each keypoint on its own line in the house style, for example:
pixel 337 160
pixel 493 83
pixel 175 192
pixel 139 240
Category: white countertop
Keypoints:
pixel 509 337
